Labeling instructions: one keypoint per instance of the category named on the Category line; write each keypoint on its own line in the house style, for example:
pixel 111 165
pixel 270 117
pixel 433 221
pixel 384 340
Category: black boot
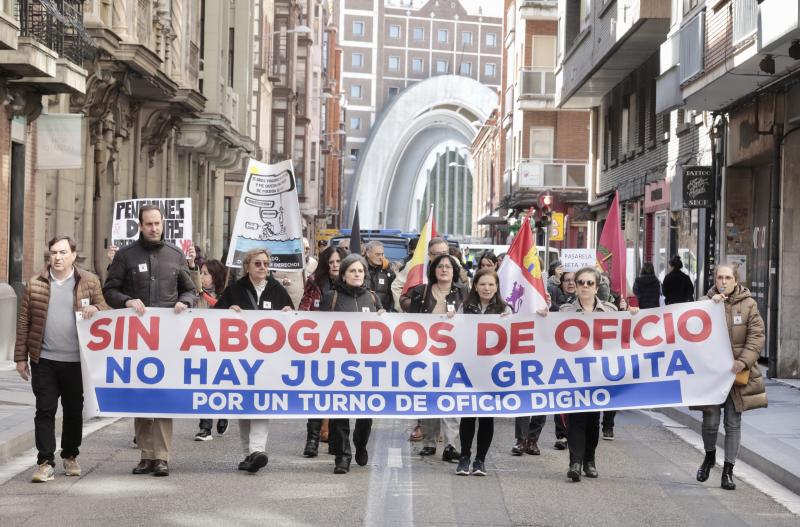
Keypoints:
pixel 708 463
pixel 727 477
pixel 312 438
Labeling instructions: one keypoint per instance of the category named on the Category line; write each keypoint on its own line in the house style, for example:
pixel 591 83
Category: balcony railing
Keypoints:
pixel 57 24
pixel 556 173
pixel 745 20
pixel 537 82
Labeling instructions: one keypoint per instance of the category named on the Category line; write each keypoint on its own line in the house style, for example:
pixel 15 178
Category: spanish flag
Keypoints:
pixel 521 282
pixel 418 264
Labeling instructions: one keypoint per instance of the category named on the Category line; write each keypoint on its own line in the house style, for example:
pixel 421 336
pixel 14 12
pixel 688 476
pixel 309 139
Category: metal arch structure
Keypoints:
pixel 437 111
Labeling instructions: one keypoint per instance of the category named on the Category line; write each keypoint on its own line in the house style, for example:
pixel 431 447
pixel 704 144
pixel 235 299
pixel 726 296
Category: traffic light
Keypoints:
pixel 546 201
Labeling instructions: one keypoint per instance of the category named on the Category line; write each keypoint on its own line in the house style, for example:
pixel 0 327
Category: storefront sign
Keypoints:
pixel 698 187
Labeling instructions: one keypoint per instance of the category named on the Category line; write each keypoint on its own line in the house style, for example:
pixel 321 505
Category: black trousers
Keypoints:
pixel 50 381
pixel 583 434
pixel 529 427
pixel 608 420
pixel 339 436
pixel 561 425
pixel 466 431
pixel 205 424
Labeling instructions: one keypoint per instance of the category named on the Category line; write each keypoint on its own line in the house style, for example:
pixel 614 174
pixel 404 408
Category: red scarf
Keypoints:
pixel 210 300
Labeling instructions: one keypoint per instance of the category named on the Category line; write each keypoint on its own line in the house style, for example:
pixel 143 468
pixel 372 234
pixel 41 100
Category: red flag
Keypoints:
pixel 611 251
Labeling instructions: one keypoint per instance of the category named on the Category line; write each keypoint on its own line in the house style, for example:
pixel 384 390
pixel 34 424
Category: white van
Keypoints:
pixel 476 249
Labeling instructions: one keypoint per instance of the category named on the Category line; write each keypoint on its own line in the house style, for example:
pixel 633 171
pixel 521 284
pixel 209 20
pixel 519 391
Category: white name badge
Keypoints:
pixel 85 302
pixel 737 319
pixel 267 304
pixel 451 307
pixel 365 310
pixel 381 281
pixel 142 268
pixel 316 303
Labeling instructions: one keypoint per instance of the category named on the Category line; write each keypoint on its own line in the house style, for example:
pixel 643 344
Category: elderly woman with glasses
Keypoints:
pixel 256 290
pixel 583 428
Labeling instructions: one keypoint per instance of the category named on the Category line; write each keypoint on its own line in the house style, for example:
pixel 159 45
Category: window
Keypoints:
pixel 358 28
pixel 393 91
pixel 623 140
pixel 586 13
pixel 416 65
pixel 231 55
pixel 357 60
pixel 394 62
pixel 226 221
pixel 688 5
pixel 541 143
pixel 419 33
pixel 490 69
pixel 466 68
pixel 443 35
pixel 633 109
pixel 491 40
pixel 355 123
pixel 466 38
pixel 394 31
pixel 354 153
pixel 441 66
pixel 544 52
pixel 355 91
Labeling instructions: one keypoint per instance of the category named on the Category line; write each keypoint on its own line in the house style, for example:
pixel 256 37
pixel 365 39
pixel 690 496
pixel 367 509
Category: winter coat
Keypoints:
pixel 557 296
pixel 647 289
pixel 746 331
pixel 35 301
pixel 677 287
pixel 313 293
pixel 379 279
pixel 349 299
pixel 155 274
pixel 422 301
pixel 599 305
pixel 242 293
pixel 472 306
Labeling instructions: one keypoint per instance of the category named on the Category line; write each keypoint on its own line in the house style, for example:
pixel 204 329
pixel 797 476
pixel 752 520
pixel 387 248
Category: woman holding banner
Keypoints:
pixel 257 290
pixel 210 282
pixel 442 294
pixel 484 298
pixel 350 295
pixel 746 330
pixel 583 428
pixel 317 285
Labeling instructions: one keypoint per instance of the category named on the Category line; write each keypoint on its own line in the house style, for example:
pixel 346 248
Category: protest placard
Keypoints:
pixel 576 259
pixel 177 221
pixel 261 364
pixel 268 217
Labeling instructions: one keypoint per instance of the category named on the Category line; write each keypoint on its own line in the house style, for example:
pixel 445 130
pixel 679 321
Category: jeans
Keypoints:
pixel 431 427
pixel 485 433
pixel 583 434
pixel 529 427
pixel 50 380
pixel 733 429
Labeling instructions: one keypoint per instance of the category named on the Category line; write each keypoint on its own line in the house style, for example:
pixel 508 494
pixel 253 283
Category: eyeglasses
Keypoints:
pixel 445 267
pixel 260 264
pixel 587 283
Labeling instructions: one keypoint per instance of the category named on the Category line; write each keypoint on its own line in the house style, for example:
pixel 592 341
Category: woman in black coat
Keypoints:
pixel 349 294
pixel 677 285
pixel 647 288
pixel 256 290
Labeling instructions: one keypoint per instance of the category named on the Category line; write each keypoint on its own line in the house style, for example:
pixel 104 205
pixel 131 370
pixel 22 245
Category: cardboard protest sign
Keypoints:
pixel 575 259
pixel 177 221
pixel 268 217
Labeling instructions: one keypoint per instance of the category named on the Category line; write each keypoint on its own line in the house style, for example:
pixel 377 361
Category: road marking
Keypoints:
pixel 395 458
pixel 745 472
pixel 23 461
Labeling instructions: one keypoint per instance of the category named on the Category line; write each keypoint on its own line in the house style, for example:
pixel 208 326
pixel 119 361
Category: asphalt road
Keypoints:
pixel 646 478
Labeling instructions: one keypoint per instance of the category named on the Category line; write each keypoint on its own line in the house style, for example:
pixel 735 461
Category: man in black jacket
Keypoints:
pixel 150 273
pixel 379 275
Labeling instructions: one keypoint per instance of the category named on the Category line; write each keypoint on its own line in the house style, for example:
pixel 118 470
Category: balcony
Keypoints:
pixel 556 174
pixel 539 10
pixel 537 88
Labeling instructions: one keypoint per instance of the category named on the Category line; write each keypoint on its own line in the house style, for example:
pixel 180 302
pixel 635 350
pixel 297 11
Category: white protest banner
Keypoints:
pixel 576 259
pixel 298 364
pixel 269 217
pixel 177 221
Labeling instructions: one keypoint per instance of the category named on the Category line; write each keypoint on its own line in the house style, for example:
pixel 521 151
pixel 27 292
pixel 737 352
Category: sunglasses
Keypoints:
pixel 260 264
pixel 588 283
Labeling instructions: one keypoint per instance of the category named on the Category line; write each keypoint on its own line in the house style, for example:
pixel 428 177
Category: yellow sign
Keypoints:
pixel 326 234
pixel 557 227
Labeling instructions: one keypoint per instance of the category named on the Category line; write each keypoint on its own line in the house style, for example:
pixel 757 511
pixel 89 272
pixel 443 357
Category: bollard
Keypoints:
pixel 8 326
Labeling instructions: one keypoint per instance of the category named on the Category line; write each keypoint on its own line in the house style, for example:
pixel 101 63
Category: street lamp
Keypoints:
pixel 300 30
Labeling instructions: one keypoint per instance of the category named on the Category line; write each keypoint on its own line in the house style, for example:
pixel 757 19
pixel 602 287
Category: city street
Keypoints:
pixel 646 478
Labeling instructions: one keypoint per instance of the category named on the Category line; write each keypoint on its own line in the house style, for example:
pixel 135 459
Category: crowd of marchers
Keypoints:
pixel 154 273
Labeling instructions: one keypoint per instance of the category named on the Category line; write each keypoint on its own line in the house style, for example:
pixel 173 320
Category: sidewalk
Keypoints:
pixel 17 409
pixel 770 436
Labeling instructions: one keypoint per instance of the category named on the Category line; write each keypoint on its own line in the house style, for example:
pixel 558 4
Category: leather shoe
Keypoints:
pixel 362 456
pixel 244 465
pixel 311 449
pixel 574 472
pixel 427 451
pixel 532 448
pixel 342 466
pixel 450 454
pixel 160 468
pixel 519 448
pixel 145 466
pixel 258 460
pixel 589 469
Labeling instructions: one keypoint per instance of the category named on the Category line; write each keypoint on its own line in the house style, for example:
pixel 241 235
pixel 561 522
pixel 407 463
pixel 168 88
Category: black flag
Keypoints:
pixel 355 234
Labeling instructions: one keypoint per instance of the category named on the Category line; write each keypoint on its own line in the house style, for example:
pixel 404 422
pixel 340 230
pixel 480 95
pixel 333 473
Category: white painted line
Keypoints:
pixel 745 472
pixel 395 458
pixel 25 460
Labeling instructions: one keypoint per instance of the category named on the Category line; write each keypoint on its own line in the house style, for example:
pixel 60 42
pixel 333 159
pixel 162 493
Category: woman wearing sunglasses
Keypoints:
pixel 583 428
pixel 257 290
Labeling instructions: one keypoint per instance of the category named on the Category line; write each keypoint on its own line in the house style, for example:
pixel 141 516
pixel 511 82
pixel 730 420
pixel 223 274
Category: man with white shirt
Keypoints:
pixel 48 336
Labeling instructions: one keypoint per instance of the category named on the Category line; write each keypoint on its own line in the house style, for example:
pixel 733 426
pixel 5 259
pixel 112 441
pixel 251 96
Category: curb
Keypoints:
pixel 22 442
pixel 752 458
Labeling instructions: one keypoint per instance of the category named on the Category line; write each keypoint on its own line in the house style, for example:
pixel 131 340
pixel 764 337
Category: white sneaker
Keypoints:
pixel 71 467
pixel 43 472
